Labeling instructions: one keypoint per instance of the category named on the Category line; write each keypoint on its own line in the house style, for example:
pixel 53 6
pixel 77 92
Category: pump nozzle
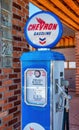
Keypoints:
pixel 63 92
pixel 65 83
pixel 67 97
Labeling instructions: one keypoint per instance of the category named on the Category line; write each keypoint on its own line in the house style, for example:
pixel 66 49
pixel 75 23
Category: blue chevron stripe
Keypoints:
pixel 42 39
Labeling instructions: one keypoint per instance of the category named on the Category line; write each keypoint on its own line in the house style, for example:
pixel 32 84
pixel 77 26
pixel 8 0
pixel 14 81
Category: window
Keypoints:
pixel 5 33
pixel 72 65
pixel 69 64
pixel 65 65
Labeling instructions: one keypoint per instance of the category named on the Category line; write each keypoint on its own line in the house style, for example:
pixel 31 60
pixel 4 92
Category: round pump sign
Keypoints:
pixel 43 30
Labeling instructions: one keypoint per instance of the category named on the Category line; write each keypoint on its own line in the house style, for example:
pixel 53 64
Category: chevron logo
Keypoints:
pixel 42 41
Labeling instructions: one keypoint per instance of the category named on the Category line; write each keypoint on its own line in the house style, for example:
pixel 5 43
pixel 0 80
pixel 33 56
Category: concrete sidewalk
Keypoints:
pixel 74 112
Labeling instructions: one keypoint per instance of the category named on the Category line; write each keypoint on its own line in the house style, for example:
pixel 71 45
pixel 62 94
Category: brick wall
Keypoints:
pixel 77 61
pixel 10 78
pixel 69 53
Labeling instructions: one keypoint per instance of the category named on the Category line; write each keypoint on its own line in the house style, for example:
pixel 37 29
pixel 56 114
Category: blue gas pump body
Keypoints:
pixel 36 112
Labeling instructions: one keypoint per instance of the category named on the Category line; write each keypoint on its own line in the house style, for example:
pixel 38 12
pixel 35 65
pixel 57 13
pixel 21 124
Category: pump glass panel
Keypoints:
pixel 35 89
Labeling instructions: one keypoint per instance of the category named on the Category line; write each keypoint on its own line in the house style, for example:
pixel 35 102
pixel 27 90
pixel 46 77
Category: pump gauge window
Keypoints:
pixel 35 87
pixel 37 73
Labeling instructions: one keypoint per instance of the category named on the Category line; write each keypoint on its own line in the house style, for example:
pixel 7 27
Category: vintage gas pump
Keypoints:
pixel 42 70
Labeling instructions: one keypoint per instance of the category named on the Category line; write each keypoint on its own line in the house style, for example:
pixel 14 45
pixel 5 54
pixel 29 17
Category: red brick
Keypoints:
pixel 12 87
pixel 3 114
pixel 20 34
pixel 15 1
pixel 19 128
pixel 21 3
pixel 20 12
pixel 15 16
pixel 10 128
pixel 7 82
pixel 19 97
pixel 3 89
pixel 0 71
pixel 1 95
pixel 22 44
pixel 16 125
pixel 11 99
pixel 12 110
pixel 2 127
pixel 25 50
pixel 14 21
pixel 24 20
pixel 17 92
pixel 12 75
pixel 7 106
pixel 7 118
pixel 19 75
pixel 12 122
pixel 16 60
pixel 25 10
pixel 21 24
pixel 17 113
pixel 17 69
pixel 3 77
pixel 17 48
pixel 14 10
pixel 14 32
pixel 19 107
pixel 16 27
pixel 7 70
pixel 17 5
pixel 0 108
pixel 16 54
pixel 8 94
pixel 17 80
pixel 17 38
pixel 17 103
pixel 16 65
pixel 0 83
pixel 2 102
pixel 25 1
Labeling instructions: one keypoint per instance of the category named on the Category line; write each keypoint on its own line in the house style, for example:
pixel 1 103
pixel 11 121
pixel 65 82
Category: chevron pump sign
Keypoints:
pixel 43 30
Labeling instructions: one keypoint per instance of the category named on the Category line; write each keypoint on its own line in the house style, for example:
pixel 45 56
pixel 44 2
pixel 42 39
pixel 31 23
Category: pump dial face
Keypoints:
pixel 35 87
